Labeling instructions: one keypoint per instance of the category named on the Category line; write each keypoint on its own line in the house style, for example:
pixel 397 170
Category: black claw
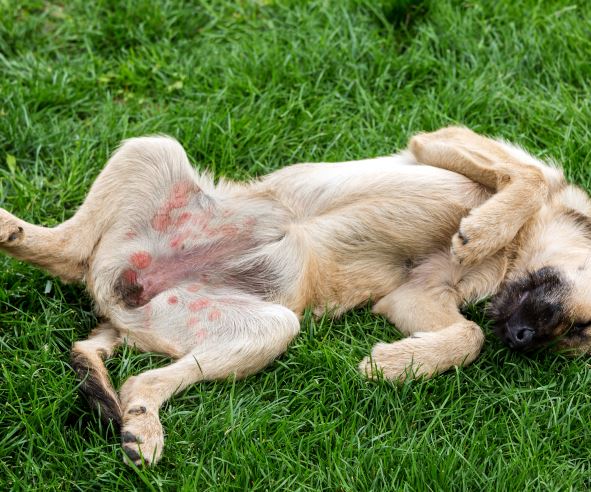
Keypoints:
pixel 137 410
pixel 128 437
pixel 463 238
pixel 132 454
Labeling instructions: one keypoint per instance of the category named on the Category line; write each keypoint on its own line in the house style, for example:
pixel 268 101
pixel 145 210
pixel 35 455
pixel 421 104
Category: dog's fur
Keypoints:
pixel 217 275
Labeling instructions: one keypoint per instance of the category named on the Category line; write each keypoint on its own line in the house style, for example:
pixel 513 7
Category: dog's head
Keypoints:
pixel 547 299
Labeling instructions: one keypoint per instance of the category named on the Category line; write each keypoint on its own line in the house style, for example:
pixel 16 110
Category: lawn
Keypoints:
pixel 248 87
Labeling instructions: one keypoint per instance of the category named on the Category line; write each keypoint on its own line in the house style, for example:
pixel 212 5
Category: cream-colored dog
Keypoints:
pixel 216 276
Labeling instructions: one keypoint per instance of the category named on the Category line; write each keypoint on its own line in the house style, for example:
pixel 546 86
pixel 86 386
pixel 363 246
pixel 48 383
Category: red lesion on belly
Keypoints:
pixel 161 221
pixel 178 240
pixel 198 304
pixel 130 276
pixel 141 260
pixel 179 197
pixel 182 219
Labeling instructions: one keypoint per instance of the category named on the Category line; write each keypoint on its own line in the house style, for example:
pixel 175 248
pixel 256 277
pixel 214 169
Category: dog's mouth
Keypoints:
pixel 528 313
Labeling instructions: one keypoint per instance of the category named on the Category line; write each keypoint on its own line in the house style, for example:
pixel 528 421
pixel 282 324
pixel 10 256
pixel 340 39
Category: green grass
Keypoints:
pixel 248 87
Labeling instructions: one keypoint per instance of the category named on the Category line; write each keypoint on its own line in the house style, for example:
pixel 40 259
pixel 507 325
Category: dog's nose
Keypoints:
pixel 519 336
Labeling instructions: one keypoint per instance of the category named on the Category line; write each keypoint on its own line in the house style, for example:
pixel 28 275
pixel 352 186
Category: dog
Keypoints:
pixel 217 275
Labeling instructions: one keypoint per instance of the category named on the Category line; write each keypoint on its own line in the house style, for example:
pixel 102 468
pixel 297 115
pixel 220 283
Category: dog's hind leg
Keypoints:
pixel 87 361
pixel 136 178
pixel 521 183
pixel 231 336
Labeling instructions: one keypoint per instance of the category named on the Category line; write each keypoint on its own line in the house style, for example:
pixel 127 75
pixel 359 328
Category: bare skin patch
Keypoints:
pixel 141 259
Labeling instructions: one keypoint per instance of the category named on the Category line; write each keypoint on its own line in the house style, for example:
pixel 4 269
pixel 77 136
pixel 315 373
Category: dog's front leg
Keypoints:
pixel 440 337
pixel 522 185
pixel 426 309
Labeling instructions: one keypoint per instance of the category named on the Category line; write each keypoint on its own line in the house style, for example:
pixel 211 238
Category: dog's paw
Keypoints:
pixel 473 243
pixel 142 437
pixel 11 234
pixel 399 361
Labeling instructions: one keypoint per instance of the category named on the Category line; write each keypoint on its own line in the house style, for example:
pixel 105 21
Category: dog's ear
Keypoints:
pixel 463 151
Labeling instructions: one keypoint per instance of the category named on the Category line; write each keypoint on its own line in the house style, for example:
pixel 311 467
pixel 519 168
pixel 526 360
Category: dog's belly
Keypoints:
pixel 149 273
pixel 369 222
pixel 189 241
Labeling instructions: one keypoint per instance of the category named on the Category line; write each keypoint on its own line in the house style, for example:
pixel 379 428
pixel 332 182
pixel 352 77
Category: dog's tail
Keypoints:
pixel 95 385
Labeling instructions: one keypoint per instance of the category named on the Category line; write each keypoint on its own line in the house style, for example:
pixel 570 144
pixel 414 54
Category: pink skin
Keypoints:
pixel 179 198
pixel 141 260
pixel 180 194
pixel 161 221
pixel 173 300
pixel 167 272
pixel 130 276
pixel 249 222
pixel 199 304
pixel 186 261
pixel 183 219
pixel 178 240
pixel 214 315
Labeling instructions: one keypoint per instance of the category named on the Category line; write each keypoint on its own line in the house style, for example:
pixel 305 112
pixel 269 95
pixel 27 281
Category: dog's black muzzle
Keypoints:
pixel 528 312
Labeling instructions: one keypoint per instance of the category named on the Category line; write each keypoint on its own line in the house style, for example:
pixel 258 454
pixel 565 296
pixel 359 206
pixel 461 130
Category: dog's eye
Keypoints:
pixel 581 325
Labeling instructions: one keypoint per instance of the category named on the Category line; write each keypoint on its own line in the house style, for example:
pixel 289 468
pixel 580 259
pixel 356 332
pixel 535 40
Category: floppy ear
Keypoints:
pixel 458 149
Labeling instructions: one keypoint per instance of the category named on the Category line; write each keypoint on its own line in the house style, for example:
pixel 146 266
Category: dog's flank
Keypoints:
pixel 216 276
